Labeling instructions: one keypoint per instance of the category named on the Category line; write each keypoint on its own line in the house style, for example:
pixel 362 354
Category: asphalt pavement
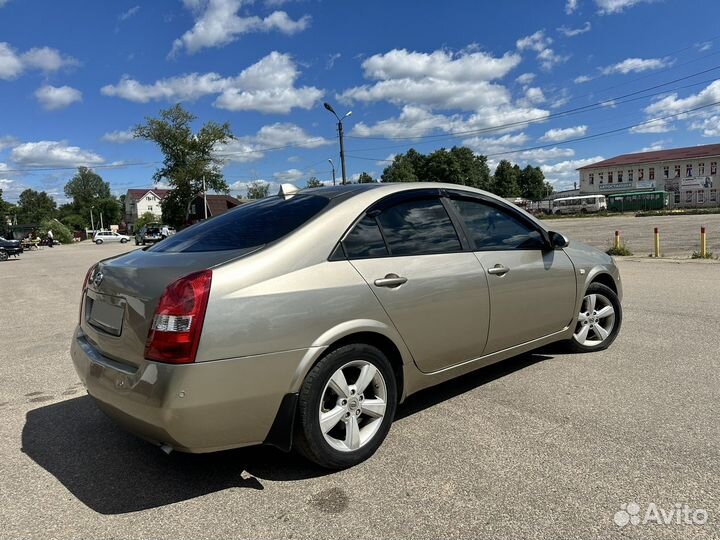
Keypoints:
pixel 547 445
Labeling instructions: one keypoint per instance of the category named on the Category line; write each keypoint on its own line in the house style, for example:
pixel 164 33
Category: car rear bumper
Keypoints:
pixel 200 407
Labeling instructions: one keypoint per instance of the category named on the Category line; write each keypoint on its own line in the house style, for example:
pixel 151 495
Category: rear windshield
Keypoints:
pixel 152 230
pixel 248 226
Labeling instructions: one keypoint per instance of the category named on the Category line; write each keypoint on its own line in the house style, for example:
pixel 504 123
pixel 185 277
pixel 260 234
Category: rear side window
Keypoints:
pixel 419 227
pixel 365 240
pixel 494 229
pixel 248 226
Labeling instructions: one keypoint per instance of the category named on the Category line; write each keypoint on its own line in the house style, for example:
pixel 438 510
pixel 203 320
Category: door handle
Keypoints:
pixel 391 281
pixel 498 270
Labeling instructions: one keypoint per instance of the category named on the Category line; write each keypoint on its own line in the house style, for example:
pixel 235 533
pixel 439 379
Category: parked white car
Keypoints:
pixel 109 236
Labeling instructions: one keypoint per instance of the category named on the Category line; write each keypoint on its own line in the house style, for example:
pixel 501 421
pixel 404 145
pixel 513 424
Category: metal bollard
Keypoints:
pixel 703 242
pixel 617 239
pixel 657 242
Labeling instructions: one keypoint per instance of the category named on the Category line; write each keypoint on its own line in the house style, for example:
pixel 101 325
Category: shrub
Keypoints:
pixel 698 255
pixel 621 251
pixel 60 232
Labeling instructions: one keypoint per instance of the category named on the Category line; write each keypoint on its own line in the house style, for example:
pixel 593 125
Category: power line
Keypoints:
pixel 577 139
pixel 567 112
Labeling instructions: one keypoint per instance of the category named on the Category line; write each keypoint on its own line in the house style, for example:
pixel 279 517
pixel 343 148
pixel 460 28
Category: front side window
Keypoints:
pixel 365 240
pixel 591 176
pixel 701 196
pixel 688 170
pixel 713 167
pixel 701 169
pixel 666 172
pixel 419 227
pixel 688 197
pixel 641 174
pixel 630 175
pixel 677 171
pixel 651 173
pixel 610 177
pixel 713 195
pixel 601 176
pixel 492 228
pixel 620 174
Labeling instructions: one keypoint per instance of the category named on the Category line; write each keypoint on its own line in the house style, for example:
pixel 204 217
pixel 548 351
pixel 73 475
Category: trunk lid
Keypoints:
pixel 120 302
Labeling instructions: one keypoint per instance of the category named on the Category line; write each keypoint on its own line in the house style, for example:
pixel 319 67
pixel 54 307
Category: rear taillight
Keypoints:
pixel 176 327
pixel 86 283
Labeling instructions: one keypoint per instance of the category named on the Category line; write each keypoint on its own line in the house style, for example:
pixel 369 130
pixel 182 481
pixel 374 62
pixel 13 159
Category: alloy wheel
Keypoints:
pixel 353 406
pixel 596 320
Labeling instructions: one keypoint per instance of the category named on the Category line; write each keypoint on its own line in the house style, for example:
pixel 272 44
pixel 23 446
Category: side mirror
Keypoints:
pixel 558 240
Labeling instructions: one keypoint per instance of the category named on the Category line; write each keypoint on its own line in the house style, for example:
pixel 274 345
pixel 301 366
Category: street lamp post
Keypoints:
pixel 340 135
pixel 333 169
pixel 92 221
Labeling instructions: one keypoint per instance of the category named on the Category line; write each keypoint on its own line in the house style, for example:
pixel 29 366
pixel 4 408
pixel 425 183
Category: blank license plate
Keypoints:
pixel 107 317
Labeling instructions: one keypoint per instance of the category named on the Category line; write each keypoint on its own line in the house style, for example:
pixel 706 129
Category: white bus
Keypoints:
pixel 579 205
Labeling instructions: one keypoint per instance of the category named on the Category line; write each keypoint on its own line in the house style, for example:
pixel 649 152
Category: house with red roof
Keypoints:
pixel 139 201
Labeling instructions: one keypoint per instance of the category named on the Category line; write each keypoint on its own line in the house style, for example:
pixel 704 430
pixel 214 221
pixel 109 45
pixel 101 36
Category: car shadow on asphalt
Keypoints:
pixel 113 472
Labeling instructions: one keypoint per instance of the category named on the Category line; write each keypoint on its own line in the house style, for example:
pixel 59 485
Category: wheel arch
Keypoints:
pixel 606 279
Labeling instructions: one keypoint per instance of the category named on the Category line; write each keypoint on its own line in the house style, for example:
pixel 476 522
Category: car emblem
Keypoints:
pixel 98 279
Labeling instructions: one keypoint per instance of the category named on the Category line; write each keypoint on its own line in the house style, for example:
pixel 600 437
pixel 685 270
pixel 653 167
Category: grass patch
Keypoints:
pixel 575 216
pixel 679 212
pixel 620 251
pixel 698 255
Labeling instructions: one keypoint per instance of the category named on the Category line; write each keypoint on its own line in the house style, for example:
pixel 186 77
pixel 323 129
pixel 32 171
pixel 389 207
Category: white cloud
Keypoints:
pixel 534 95
pixel 654 146
pixel 709 126
pixel 653 126
pixel 636 65
pixel 570 6
pixel 218 23
pixel 562 174
pixel 332 58
pixel 440 79
pixel 53 98
pixel 672 104
pixel 582 79
pixel 526 78
pixel 704 46
pixel 273 136
pixel 563 134
pixel 494 145
pixel 415 121
pixel 540 43
pixel 291 175
pixel 607 7
pixel 13 64
pixel 118 137
pixel 572 32
pixel 7 141
pixel 267 86
pixel 129 13
pixel 53 154
pixel 541 155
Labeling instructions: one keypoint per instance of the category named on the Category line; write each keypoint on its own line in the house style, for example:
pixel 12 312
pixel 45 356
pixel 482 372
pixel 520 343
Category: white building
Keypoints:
pixel 139 201
pixel 689 174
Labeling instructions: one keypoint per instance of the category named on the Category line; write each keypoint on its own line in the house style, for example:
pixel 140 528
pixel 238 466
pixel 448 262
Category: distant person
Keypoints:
pixel 50 238
pixel 165 232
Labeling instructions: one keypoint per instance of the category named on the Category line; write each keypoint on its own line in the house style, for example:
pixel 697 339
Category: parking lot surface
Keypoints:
pixel 679 235
pixel 547 445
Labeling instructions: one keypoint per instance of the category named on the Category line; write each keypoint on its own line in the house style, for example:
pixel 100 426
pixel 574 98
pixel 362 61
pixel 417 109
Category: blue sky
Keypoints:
pixel 76 76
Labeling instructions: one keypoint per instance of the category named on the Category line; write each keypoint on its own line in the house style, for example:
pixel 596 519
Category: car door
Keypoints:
pixel 532 286
pixel 432 288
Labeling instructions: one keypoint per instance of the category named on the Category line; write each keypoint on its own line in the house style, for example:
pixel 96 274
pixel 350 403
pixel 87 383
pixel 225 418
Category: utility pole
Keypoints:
pixel 102 227
pixel 92 221
pixel 340 135
pixel 333 169
pixel 204 196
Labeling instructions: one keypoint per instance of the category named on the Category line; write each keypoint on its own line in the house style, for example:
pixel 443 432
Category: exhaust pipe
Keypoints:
pixel 166 448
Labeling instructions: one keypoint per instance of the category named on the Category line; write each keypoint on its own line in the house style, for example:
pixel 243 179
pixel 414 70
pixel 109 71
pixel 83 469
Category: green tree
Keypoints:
pixel 549 189
pixel 459 165
pixel 188 158
pixel 147 217
pixel 60 232
pixel 408 167
pixel 258 190
pixel 531 183
pixel 34 206
pixel 365 178
pixel 86 187
pixel 7 210
pixel 313 182
pixel 505 180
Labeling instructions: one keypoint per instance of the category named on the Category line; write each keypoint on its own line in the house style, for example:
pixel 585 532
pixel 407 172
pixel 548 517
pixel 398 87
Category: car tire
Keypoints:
pixel 98 242
pixel 4 256
pixel 355 431
pixel 592 326
pixel 136 242
pixel 123 240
